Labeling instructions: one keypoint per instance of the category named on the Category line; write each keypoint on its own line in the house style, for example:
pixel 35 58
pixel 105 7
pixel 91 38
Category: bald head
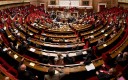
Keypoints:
pixel 23 67
pixel 6 78
pixel 125 53
pixel 112 71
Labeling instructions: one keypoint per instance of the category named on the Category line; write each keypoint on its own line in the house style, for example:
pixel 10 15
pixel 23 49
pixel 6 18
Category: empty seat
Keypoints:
pixel 13 71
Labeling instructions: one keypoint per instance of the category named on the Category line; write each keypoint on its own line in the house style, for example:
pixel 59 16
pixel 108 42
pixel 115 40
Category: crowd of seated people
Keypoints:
pixel 122 58
pixel 24 74
pixel 106 74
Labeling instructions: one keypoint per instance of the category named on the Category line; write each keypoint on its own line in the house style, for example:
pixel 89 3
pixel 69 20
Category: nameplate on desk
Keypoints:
pixel 92 36
pixel 66 40
pixel 9 52
pixel 10 36
pixel 68 45
pixel 104 45
pixel 53 54
pixel 32 64
pixel 32 49
pixel 16 31
pixel 5 49
pixel 31 34
pixel 92 31
pixel 105 34
pixel 33 24
pixel 18 34
pixel 84 52
pixel 90 67
pixel 44 53
pixel 45 44
pixel 102 31
pixel 15 56
pixel 4 28
pixel 64 55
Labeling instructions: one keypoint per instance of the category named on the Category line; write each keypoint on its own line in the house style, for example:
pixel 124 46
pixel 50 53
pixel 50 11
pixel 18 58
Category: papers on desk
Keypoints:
pixel 31 34
pixel 66 40
pixel 9 52
pixel 53 54
pixel 105 34
pixel 33 24
pixel 68 30
pixel 56 72
pixel 5 49
pixel 18 34
pixel 71 54
pixel 64 55
pixel 90 67
pixel 104 45
pixel 44 53
pixel 36 24
pixel 32 49
pixel 69 45
pixel 16 31
pixel 32 64
pixel 43 34
pixel 102 31
pixel 4 27
pixel 92 36
pixel 92 31
pixel 84 52
pixel 15 56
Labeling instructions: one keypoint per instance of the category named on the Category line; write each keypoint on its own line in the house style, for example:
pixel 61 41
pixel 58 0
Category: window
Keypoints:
pixel 69 2
pixel 52 2
pixel 85 3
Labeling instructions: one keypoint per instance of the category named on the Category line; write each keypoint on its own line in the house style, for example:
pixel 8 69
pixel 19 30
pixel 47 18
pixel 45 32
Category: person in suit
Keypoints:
pixel 44 59
pixel 68 60
pixel 55 74
pixel 106 74
pixel 89 57
pixel 59 59
pixel 23 73
pixel 122 58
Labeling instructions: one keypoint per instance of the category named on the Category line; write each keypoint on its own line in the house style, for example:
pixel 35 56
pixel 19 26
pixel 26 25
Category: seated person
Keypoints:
pixel 55 74
pixel 48 39
pixel 105 74
pixel 59 59
pixel 122 58
pixel 88 57
pixel 23 73
pixel 68 60
pixel 43 59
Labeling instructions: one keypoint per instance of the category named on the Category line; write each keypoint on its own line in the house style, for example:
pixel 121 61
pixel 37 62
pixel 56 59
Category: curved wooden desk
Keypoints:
pixel 111 40
pixel 44 67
